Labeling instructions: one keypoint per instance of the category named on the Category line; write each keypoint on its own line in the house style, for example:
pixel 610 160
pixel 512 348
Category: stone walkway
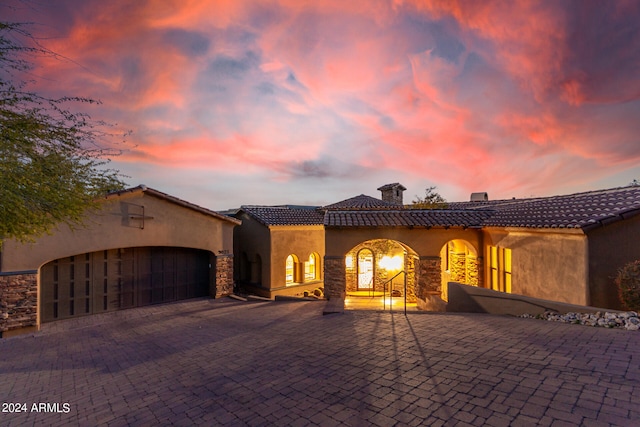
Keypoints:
pixel 232 363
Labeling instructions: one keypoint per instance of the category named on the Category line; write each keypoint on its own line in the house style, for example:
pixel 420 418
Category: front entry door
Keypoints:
pixel 365 269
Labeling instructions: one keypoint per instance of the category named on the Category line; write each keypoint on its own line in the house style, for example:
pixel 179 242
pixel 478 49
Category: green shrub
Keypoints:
pixel 628 282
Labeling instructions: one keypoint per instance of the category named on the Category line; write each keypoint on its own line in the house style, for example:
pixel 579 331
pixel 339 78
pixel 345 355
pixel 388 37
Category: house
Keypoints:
pixel 144 247
pixel 140 247
pixel 561 248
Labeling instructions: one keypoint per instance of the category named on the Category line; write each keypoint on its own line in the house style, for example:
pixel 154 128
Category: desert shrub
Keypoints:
pixel 628 283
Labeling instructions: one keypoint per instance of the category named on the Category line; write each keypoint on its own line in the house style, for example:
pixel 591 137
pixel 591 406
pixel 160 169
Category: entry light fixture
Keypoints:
pixel 394 263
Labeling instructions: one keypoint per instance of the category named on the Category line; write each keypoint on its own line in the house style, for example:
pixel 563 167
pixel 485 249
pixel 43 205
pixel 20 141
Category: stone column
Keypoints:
pixel 351 273
pixel 480 271
pixel 410 270
pixel 429 287
pixel 224 276
pixel 18 302
pixel 334 277
pixel 472 271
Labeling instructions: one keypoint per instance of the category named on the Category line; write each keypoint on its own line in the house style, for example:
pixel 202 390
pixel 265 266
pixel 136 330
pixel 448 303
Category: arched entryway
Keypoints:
pixel 459 263
pixel 376 273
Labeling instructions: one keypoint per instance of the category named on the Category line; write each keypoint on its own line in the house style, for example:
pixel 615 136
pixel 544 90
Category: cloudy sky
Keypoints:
pixel 311 102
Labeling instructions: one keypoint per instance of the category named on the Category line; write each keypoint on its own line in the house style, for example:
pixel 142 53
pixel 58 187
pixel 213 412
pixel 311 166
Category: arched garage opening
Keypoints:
pixel 375 272
pixel 117 279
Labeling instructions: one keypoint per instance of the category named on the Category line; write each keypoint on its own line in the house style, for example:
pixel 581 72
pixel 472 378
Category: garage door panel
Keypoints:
pixel 111 280
pixel 127 284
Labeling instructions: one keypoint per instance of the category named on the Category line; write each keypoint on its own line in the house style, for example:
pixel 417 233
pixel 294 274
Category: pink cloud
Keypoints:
pixel 473 94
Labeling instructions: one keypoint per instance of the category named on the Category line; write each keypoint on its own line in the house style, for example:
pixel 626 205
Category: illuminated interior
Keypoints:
pixel 459 263
pixel 290 269
pixel 500 265
pixel 365 269
pixel 378 267
pixel 310 270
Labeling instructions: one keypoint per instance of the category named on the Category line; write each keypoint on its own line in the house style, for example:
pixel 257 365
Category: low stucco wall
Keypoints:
pixel 296 290
pixel 470 299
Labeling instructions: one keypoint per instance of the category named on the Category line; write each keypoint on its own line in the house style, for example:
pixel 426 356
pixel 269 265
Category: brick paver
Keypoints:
pixel 225 362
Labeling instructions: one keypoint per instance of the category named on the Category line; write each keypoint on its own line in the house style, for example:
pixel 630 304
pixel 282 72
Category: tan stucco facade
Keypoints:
pixel 423 241
pixel 546 264
pixel 252 249
pixel 564 265
pixel 270 246
pixel 132 219
pixel 139 218
pixel 300 241
pixel 610 248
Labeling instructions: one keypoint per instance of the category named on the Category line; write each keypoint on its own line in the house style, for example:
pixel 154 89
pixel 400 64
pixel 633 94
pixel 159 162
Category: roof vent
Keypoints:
pixel 479 197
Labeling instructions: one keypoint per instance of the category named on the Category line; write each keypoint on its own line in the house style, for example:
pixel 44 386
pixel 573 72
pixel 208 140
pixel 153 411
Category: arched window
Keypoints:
pixel 290 269
pixel 310 268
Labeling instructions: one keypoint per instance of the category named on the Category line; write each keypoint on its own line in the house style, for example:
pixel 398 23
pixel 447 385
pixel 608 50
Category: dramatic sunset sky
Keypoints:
pixel 311 102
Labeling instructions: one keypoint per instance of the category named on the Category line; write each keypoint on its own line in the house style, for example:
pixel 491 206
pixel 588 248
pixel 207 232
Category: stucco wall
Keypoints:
pixel 546 264
pixel 300 240
pixel 118 225
pixel 611 247
pixel 252 238
pixel 425 242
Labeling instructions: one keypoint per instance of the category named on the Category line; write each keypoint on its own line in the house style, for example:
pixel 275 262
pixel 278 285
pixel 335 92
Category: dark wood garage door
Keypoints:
pixel 104 281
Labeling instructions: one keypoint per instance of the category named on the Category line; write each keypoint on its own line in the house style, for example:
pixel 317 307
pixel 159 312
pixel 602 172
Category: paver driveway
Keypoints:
pixel 224 362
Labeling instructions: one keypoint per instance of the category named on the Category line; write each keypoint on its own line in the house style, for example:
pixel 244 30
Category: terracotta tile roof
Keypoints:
pixel 361 202
pixel 580 210
pixel 285 215
pixel 406 218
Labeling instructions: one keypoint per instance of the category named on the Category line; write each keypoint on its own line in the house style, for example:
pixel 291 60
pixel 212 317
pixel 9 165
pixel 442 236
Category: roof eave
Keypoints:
pixel 143 189
pixel 620 216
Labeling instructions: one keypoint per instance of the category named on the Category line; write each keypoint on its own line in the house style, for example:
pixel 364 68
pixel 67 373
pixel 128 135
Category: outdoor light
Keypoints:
pixel 391 263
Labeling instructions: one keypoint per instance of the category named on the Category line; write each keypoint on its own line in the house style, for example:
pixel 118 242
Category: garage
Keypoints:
pixel 135 248
pixel 116 279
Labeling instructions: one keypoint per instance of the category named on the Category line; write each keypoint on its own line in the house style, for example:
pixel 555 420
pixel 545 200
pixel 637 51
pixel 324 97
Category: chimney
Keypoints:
pixel 392 193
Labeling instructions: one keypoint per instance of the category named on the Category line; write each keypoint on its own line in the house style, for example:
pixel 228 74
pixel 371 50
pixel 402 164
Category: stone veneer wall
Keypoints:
pixel 351 279
pixel 224 276
pixel 429 287
pixel 410 269
pixel 334 277
pixel 465 268
pixel 471 272
pixel 480 272
pixel 18 301
pixel 458 267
